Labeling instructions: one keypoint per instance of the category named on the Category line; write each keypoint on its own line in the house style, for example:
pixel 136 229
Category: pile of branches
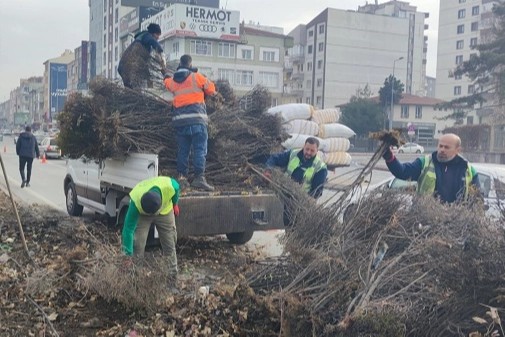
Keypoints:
pixel 114 121
pixel 397 265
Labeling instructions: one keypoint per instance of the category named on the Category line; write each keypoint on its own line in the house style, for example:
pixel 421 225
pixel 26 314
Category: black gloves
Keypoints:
pixel 388 155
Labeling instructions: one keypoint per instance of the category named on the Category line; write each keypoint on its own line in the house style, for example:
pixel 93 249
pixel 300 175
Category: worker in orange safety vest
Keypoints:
pixel 190 120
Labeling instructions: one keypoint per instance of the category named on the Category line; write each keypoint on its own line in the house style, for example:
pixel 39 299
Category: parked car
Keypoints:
pixel 50 148
pixel 492 182
pixel 411 148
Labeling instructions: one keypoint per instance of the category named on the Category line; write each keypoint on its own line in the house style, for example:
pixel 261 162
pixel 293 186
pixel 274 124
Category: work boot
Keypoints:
pixel 27 184
pixel 23 184
pixel 200 183
pixel 183 182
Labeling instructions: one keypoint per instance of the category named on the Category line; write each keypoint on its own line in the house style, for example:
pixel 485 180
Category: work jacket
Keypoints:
pixel 189 89
pixel 450 181
pixel 310 173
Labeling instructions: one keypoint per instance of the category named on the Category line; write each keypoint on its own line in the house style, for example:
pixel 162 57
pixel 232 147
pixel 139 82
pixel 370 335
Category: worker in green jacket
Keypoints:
pixel 154 201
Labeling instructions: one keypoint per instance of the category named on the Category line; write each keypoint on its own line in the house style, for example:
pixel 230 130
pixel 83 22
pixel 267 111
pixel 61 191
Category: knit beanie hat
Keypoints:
pixel 151 202
pixel 154 28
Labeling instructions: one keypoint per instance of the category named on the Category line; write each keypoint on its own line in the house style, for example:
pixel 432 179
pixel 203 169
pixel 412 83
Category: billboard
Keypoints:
pixel 57 87
pixel 186 20
pixel 164 3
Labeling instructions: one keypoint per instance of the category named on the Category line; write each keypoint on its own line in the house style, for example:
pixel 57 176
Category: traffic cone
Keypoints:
pixel 44 160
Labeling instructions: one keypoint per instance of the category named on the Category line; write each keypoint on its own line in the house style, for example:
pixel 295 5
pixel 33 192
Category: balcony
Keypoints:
pixel 297 76
pixel 296 58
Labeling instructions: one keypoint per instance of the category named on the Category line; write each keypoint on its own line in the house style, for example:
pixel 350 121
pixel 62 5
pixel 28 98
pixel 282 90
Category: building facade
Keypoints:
pixel 346 50
pixel 55 84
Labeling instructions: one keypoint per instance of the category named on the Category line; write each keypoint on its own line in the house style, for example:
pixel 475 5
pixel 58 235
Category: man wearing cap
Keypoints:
pixel 154 201
pixel 133 66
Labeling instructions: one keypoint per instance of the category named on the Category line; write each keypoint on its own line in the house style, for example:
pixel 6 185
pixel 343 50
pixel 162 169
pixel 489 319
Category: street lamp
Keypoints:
pixel 392 90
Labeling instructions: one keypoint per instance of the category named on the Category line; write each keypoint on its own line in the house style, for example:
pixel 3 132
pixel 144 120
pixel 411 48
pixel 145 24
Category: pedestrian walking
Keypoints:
pixel 27 149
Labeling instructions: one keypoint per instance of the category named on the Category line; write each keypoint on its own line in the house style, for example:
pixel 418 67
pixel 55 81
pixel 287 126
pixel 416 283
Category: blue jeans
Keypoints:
pixel 191 137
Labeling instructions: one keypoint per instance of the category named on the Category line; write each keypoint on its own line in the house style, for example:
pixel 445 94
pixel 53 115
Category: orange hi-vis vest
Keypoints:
pixel 191 91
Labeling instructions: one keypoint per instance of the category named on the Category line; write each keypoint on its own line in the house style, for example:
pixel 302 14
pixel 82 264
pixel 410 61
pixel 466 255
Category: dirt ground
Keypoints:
pixel 45 295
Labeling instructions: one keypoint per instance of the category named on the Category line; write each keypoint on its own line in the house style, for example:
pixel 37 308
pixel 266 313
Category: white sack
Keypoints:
pixel 335 144
pixel 292 111
pixel 337 158
pixel 297 141
pixel 326 116
pixel 300 126
pixel 334 130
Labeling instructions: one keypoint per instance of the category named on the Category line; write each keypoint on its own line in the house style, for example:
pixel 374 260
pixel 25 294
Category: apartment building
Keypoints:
pixel 340 51
pixel 223 48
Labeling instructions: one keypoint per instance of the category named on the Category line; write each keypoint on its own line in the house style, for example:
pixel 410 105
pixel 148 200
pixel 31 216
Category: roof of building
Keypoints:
pixel 408 99
pixel 260 32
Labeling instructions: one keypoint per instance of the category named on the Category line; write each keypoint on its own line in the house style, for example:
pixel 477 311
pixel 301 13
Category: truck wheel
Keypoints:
pixel 240 238
pixel 73 208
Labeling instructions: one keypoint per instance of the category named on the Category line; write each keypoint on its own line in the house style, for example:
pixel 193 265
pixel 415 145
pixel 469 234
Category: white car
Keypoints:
pixel 491 178
pixel 411 148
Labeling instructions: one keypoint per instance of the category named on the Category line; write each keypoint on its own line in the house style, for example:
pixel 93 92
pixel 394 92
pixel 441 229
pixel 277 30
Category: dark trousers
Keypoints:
pixel 191 138
pixel 25 161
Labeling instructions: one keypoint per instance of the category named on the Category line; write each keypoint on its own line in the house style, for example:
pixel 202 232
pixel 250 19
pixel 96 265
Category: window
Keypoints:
pixel 319 64
pixel 175 47
pixel 475 10
pixel 226 50
pixel 247 54
pixel 469 121
pixel 105 5
pixel 105 40
pixel 459 59
pixel 116 56
pixel 319 100
pixel 201 48
pixel 320 46
pixel 307 100
pixel 269 56
pixel 244 77
pixel 104 58
pixel 309 84
pixel 471 89
pixel 457 90
pixel 311 33
pixel 461 13
pixel 206 71
pixel 116 15
pixel 457 76
pixel 475 26
pixel 461 29
pixel 226 74
pixel 473 42
pixel 321 29
pixel 309 50
pixel 104 23
pixel 309 66
pixel 460 44
pixel 405 111
pixel 319 82
pixel 419 111
pixel 116 34
pixel 269 79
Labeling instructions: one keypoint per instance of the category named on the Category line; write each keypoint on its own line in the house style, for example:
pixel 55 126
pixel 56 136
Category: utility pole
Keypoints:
pixel 390 127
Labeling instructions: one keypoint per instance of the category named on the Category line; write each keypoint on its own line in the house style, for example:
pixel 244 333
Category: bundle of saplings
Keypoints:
pixel 114 121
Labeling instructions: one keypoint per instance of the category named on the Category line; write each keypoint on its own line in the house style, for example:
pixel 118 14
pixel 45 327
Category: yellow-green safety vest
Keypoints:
pixel 167 193
pixel 428 179
pixel 294 163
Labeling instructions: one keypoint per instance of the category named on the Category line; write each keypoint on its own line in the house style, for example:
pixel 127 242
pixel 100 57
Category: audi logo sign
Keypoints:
pixel 207 28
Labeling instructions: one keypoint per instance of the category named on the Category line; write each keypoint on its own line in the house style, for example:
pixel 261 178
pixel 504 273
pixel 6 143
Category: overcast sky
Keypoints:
pixel 40 30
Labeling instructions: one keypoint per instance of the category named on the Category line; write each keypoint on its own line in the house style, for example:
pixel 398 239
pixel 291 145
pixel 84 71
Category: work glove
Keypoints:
pixel 388 155
pixel 176 210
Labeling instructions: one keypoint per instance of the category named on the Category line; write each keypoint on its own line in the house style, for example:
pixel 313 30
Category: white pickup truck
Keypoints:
pixel 103 187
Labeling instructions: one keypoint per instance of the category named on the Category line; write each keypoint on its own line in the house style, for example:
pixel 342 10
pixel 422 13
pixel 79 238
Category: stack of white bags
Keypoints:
pixel 302 121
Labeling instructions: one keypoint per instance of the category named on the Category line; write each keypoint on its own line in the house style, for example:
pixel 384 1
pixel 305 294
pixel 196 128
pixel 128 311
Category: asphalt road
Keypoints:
pixel 46 188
